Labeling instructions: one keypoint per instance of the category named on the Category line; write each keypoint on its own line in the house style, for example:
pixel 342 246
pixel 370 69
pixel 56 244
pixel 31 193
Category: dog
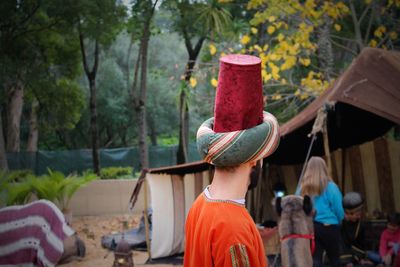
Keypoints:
pixel 296 230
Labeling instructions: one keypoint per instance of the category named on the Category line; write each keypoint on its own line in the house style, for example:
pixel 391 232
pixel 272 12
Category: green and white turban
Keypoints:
pixel 238 147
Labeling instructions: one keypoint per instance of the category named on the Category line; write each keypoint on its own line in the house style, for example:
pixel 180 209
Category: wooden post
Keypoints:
pixel 343 170
pixel 326 147
pixel 146 219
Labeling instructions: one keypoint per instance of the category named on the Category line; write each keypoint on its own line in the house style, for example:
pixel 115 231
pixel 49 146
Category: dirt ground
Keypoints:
pixel 91 228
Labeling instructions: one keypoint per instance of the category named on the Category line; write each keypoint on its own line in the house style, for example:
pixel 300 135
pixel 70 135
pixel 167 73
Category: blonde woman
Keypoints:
pixel 327 200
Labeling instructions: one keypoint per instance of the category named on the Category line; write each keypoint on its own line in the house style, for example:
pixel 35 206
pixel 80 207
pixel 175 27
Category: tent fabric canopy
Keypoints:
pixel 366 104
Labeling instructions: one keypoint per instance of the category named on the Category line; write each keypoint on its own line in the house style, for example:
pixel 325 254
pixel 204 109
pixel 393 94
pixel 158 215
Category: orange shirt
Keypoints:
pixel 221 233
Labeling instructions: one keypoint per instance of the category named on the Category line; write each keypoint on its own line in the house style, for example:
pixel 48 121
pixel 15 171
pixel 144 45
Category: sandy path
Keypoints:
pixel 91 228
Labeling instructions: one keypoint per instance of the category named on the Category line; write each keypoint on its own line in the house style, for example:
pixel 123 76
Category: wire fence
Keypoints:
pixel 70 161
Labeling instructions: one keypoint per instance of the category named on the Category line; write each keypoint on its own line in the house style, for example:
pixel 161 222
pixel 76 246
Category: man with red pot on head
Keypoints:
pixel 219 229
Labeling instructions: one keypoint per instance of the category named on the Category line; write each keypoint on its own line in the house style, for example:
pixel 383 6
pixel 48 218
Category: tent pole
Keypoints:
pixel 326 148
pixel 146 220
pixel 343 168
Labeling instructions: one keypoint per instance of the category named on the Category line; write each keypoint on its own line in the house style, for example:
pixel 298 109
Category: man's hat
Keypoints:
pixel 240 131
pixel 352 201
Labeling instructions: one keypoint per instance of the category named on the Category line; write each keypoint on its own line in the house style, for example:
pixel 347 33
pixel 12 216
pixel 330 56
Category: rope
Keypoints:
pixel 314 136
pixel 318 126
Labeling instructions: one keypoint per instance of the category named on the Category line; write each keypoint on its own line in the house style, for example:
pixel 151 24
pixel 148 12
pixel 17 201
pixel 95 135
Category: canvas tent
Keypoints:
pixel 171 192
pixel 365 104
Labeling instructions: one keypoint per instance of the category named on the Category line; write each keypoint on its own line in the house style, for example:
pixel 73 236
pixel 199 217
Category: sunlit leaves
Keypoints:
pixel 373 43
pixel 254 30
pixel 380 31
pixel 212 49
pixel 305 61
pixel 314 83
pixel 214 82
pixel 193 82
pixel 245 39
pixel 393 35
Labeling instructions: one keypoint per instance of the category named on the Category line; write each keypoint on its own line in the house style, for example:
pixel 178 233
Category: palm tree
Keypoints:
pixel 196 22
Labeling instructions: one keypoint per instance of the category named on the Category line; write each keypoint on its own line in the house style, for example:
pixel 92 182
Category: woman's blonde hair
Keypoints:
pixel 315 177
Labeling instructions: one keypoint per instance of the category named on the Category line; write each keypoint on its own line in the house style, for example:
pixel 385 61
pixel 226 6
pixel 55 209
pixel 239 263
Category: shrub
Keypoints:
pixel 14 190
pixel 116 173
pixel 57 188
pixel 19 175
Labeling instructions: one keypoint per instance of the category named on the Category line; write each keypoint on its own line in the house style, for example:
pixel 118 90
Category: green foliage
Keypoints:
pixel 61 103
pixel 54 187
pixel 57 188
pixel 167 140
pixel 18 175
pixel 12 192
pixel 99 20
pixel 116 172
pixel 18 193
pixel 213 17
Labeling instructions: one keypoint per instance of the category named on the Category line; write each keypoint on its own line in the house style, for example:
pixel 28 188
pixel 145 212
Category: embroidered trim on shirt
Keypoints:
pixel 239 256
pixel 207 196
pixel 245 257
pixel 233 256
pixel 222 201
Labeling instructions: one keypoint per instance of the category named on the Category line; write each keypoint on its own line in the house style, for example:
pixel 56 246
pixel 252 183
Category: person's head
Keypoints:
pixel 393 222
pixel 315 177
pixel 240 131
pixel 353 204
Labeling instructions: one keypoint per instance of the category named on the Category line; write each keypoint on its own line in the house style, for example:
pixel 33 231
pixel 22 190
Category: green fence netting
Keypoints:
pixel 80 160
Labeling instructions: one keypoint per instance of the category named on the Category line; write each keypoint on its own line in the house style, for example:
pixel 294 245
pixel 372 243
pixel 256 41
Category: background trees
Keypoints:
pixel 195 22
pixel 36 51
pixel 97 22
pixel 305 45
pixel 76 74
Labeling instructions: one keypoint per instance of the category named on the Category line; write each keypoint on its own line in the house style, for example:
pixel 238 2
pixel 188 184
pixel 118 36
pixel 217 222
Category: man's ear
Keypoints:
pixel 307 205
pixel 253 163
pixel 278 206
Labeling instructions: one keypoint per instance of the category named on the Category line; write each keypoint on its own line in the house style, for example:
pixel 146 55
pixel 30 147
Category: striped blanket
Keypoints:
pixel 32 234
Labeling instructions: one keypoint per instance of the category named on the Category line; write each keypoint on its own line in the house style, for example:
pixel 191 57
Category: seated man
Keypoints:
pixel 353 240
pixel 36 234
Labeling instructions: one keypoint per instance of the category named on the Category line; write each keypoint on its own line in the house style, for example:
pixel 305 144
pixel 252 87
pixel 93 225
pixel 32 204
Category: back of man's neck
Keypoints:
pixel 230 185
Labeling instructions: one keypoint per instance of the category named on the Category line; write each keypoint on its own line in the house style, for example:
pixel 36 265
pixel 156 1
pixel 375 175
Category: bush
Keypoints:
pixel 13 187
pixel 54 186
pixel 57 187
pixel 18 175
pixel 116 173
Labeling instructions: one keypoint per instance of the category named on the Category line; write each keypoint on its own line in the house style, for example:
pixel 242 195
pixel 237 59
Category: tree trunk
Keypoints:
pixel 3 155
pixel 153 133
pixel 140 101
pixel 91 76
pixel 33 128
pixel 93 127
pixel 15 103
pixel 143 146
pixel 325 53
pixel 182 154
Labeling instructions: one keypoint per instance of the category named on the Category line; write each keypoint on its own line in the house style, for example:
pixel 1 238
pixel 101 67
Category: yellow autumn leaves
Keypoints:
pixel 193 82
pixel 380 34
